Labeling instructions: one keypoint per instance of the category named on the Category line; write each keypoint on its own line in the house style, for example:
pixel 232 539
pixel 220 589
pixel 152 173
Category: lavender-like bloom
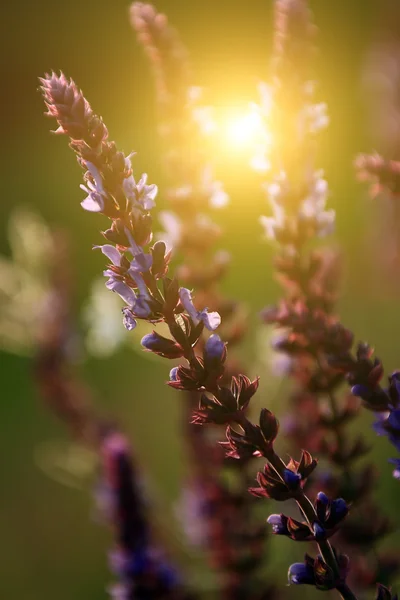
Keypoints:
pixel 131 229
pixel 329 514
pixel 109 173
pixel 301 573
pixel 211 320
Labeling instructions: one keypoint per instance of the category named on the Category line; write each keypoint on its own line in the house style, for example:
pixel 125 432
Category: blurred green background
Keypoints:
pixel 51 547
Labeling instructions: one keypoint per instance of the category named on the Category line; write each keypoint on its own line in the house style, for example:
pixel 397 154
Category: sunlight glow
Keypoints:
pixel 244 131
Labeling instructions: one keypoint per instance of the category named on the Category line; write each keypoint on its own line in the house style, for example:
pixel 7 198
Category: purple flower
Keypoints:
pixel 129 319
pixel 211 320
pixel 301 573
pixel 139 193
pixel 94 202
pixel 137 304
pixel 111 252
pixel 319 532
pixel 292 479
pixel 173 374
pixel 214 348
pixel 390 426
pixel 154 342
pixel 278 525
pixel 330 512
pixel 141 263
pixel 122 289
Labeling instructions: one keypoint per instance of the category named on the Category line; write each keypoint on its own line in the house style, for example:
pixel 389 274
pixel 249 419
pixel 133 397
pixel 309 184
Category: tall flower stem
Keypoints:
pixel 135 269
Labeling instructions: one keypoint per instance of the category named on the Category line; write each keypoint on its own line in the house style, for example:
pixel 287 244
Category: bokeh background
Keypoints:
pixel 51 546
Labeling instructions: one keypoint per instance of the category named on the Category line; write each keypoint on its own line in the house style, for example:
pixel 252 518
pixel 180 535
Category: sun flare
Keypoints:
pixel 244 129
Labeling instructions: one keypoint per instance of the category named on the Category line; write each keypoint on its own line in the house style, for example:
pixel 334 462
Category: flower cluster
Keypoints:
pixel 330 514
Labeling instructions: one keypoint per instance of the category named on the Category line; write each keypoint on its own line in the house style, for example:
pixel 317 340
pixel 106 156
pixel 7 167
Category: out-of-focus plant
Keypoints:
pixel 24 281
pixel 308 330
pixel 381 168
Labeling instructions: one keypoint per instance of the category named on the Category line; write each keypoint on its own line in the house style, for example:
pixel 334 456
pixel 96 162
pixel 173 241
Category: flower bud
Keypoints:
pixel 162 346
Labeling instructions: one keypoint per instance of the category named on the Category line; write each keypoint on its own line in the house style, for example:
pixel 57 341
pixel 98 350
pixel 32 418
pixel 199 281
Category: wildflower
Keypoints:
pixel 140 194
pixel 301 573
pixel 318 573
pixel 129 320
pixel 282 525
pixel 162 346
pixel 94 202
pixel 390 426
pixel 211 320
pixel 272 485
pixel 214 350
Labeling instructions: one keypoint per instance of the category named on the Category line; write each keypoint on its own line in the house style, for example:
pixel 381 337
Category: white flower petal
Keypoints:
pixel 93 203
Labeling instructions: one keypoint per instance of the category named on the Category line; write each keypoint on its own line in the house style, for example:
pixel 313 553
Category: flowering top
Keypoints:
pixel 309 217
pixel 112 190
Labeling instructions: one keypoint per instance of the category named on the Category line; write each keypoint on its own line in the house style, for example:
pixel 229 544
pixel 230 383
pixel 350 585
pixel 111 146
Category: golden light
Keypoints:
pixel 243 131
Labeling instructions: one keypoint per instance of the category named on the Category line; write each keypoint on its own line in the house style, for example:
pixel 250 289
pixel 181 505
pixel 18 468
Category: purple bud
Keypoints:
pixel 339 509
pixel 291 479
pixel 173 374
pixel 323 498
pixel 361 390
pixel 300 573
pixel 393 421
pixel 278 526
pixel 214 347
pixel 162 346
pixel 214 355
pixel 150 341
pixel 319 532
